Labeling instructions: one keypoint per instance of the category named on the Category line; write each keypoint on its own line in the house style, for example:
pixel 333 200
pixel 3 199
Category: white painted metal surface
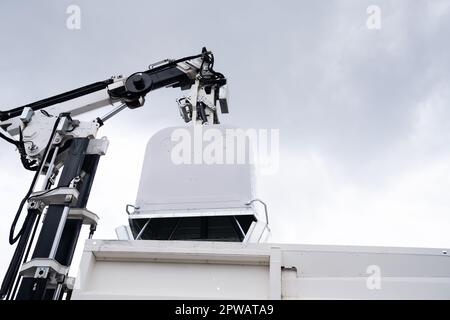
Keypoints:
pixel 112 269
pixel 167 186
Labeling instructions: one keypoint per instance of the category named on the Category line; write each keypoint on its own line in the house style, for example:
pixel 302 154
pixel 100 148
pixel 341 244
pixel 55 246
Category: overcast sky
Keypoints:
pixel 363 114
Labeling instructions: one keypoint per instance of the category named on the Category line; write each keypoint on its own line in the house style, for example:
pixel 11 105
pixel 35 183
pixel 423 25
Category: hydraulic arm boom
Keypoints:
pixel 208 95
pixel 49 138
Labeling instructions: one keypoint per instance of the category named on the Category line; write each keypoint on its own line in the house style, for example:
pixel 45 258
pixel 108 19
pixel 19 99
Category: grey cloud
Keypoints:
pixel 373 105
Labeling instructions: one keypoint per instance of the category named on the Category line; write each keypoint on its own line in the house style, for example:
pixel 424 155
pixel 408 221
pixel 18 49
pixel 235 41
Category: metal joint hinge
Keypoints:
pixel 88 217
pixel 59 196
pixel 44 268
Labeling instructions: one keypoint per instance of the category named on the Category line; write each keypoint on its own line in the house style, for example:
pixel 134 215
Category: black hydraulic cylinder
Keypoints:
pixel 72 228
pixel 76 162
pixel 63 97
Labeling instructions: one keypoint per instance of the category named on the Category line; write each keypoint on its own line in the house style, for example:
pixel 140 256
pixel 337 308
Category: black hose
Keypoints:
pixel 27 164
pixel 14 265
pixel 13 239
pixel 25 258
pixel 25 231
pixel 8 139
pixel 12 277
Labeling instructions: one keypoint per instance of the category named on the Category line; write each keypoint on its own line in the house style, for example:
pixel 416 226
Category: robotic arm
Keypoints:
pixel 33 122
pixel 49 138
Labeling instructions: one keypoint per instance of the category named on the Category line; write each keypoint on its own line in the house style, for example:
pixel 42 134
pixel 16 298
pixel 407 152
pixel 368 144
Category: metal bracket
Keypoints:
pixel 98 146
pixel 27 114
pixel 127 209
pixel 265 209
pixel 87 216
pixel 44 268
pixel 58 196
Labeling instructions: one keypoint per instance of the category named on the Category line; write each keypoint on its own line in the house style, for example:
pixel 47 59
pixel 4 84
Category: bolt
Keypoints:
pixel 139 82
